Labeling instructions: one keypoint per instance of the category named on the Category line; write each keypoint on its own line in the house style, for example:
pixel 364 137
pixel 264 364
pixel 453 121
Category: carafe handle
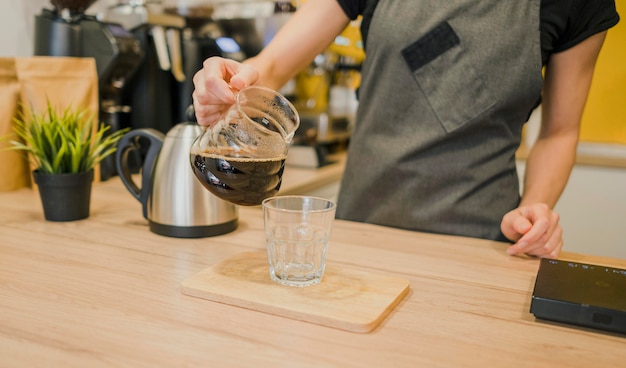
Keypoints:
pixel 129 143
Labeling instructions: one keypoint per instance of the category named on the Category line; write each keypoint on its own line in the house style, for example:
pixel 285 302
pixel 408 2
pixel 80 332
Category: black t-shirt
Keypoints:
pixel 564 23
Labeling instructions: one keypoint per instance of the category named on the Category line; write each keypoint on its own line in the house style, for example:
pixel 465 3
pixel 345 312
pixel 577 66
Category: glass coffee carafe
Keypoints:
pixel 242 157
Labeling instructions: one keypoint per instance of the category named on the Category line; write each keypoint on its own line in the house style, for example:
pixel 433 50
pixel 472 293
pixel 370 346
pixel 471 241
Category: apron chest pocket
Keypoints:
pixel 446 76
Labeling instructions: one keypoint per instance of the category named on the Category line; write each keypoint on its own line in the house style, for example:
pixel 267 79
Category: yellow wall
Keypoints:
pixel 604 119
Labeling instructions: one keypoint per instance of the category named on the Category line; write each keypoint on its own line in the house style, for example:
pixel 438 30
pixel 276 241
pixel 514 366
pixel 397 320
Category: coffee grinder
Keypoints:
pixel 67 31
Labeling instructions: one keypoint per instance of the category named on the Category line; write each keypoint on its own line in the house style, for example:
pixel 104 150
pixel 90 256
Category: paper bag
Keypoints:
pixel 32 83
pixel 62 81
pixel 14 171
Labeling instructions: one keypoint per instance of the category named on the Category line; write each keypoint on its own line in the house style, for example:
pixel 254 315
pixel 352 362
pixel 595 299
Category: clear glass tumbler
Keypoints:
pixel 297 230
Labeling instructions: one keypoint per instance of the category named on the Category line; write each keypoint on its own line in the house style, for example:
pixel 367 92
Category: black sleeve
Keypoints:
pixel 586 18
pixel 352 8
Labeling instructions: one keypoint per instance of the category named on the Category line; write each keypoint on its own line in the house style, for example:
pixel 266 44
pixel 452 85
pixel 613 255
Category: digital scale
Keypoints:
pixel 581 294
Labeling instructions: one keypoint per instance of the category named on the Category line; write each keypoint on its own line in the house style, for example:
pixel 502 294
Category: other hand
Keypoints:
pixel 535 230
pixel 216 84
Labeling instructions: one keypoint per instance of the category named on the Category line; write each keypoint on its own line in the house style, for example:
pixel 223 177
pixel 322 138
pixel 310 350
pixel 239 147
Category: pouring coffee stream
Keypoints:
pixel 241 158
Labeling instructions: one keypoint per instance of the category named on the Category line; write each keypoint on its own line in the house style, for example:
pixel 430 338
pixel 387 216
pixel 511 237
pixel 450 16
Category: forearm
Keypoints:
pixel 548 168
pixel 308 33
pixel 269 75
pixel 567 80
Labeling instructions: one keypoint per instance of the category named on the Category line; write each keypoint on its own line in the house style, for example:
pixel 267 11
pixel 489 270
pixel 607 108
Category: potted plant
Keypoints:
pixel 64 148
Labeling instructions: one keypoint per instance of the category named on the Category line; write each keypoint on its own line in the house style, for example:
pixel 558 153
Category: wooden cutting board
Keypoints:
pixel 347 299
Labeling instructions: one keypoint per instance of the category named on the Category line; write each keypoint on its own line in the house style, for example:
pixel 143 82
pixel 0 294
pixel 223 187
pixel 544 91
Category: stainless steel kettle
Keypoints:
pixel 174 202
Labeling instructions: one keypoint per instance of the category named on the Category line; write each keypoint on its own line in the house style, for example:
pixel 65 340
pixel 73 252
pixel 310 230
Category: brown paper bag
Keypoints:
pixel 14 171
pixel 61 81
pixel 64 81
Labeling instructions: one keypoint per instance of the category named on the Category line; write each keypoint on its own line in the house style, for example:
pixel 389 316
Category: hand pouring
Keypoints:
pixel 174 202
pixel 241 158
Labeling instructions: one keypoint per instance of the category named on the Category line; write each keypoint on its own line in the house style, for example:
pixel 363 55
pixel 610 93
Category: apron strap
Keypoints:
pixel 368 12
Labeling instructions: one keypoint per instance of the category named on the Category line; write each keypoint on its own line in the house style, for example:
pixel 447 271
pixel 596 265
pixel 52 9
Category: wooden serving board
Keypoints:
pixel 347 299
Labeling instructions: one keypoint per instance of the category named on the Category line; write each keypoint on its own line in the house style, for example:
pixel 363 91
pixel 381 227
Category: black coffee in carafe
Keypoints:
pixel 241 158
pixel 241 180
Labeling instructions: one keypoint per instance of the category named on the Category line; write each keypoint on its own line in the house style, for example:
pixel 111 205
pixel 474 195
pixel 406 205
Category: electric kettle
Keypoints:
pixel 174 202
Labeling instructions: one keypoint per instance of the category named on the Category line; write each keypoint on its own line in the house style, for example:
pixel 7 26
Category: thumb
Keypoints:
pixel 515 226
pixel 246 76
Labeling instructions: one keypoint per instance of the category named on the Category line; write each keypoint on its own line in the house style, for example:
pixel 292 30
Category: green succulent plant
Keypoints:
pixel 65 142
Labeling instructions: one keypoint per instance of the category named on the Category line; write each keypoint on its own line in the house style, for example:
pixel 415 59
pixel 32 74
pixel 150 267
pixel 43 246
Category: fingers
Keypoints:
pixel 547 243
pixel 536 231
pixel 211 95
pixel 532 238
pixel 551 248
pixel 246 76
pixel 215 86
pixel 207 113
pixel 514 225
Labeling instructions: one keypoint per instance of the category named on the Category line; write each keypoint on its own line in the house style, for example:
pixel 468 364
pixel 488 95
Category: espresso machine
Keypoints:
pixel 147 51
pixel 66 30
pixel 175 40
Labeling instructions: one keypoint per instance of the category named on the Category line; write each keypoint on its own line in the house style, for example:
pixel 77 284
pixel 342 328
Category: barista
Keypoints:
pixel 446 89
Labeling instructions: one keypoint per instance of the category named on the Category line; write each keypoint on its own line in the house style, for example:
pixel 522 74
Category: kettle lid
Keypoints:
pixel 188 129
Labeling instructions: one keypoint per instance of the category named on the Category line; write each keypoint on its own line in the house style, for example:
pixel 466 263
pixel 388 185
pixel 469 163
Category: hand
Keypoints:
pixel 535 229
pixel 215 87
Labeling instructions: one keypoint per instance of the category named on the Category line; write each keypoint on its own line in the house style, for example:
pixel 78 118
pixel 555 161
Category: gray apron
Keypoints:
pixel 446 89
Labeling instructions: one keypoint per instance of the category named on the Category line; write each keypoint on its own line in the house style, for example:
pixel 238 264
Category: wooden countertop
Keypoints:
pixel 105 292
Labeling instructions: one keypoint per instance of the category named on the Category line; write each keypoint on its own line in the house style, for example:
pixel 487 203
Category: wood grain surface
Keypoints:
pixel 106 292
pixel 349 299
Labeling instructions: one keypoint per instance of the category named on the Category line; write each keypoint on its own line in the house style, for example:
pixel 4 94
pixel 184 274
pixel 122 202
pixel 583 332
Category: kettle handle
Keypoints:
pixel 129 143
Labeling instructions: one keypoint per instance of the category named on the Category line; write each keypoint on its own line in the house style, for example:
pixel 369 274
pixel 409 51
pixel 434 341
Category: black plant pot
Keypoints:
pixel 65 197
